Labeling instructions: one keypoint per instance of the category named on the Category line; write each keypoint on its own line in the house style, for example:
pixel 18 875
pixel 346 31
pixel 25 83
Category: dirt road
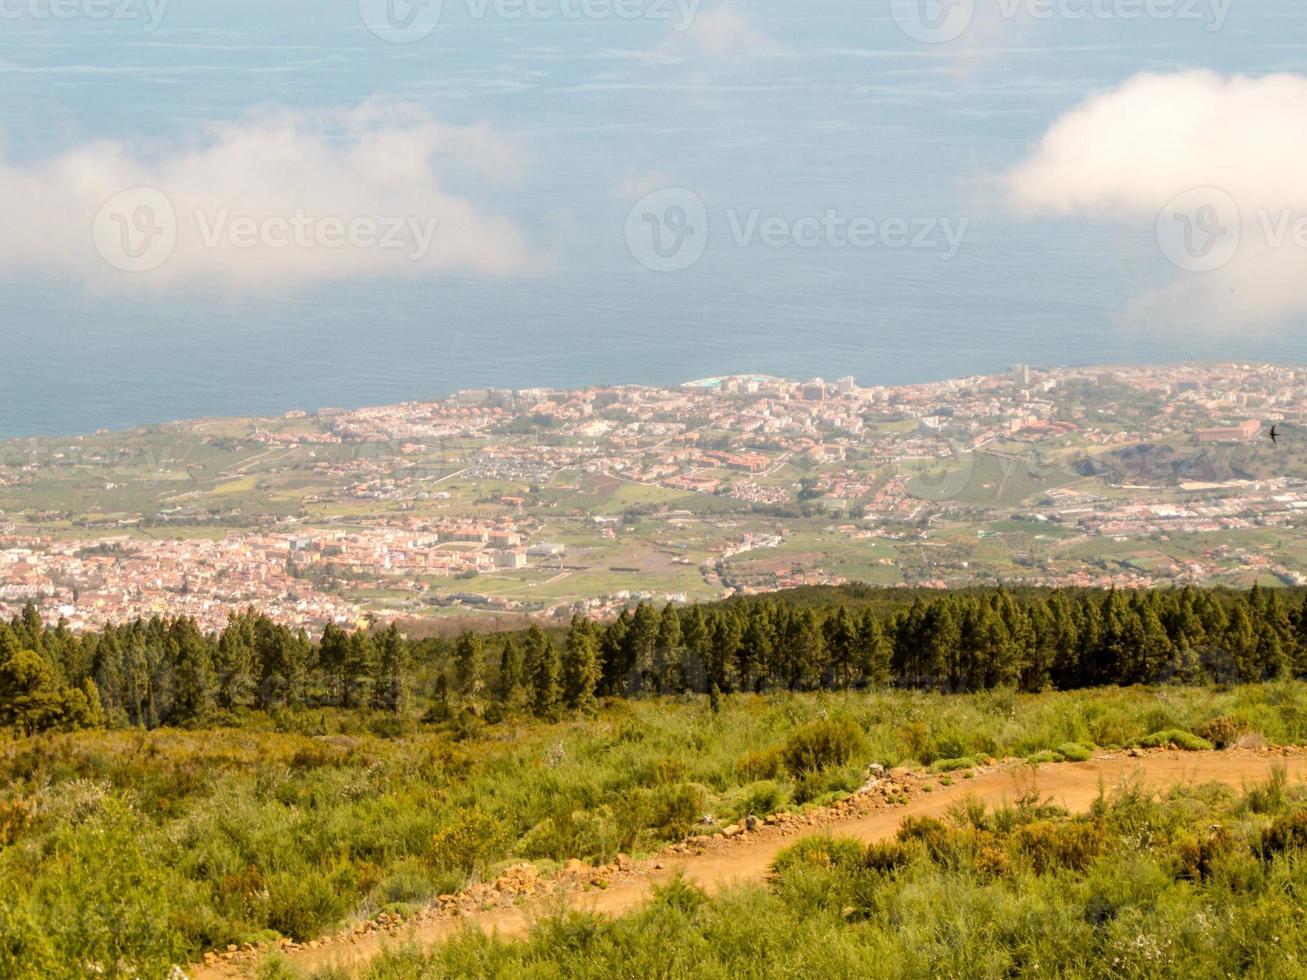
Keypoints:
pixel 748 857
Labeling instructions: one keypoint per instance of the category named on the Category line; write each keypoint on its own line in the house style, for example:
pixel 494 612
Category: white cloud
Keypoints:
pixel 356 193
pixel 1128 154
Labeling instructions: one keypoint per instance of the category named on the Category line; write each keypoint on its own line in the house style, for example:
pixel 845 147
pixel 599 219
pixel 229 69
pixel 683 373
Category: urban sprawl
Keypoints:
pixel 543 503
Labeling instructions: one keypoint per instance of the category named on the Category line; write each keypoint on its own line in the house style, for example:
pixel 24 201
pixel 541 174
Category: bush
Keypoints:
pixel 821 851
pixel 953 765
pixel 1075 752
pixel 762 798
pixel 1223 731
pixel 1046 845
pixel 822 745
pixel 471 839
pixel 1066 752
pixel 1176 737
pixel 886 857
pixel 1287 833
pixel 303 906
pixel 763 765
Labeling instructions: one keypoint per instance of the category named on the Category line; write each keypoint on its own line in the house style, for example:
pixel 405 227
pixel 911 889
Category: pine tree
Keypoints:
pixel 874 651
pixel 757 648
pixel 724 650
pixel 544 668
pixel 333 653
pixel 581 670
pixel 360 668
pixel 392 690
pixel 841 643
pixel 640 648
pixel 669 660
pixel 513 686
pixel 469 685
pixel 234 664
pixel 1240 647
pixel 196 693
pixel 697 642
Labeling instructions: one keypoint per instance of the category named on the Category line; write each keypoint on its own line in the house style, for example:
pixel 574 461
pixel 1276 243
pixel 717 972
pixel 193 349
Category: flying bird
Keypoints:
pixel 1275 434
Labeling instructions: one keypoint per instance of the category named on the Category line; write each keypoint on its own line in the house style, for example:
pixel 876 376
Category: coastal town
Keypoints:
pixel 541 503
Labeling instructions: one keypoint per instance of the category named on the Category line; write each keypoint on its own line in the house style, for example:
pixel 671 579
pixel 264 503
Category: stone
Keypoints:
pixel 734 830
pixel 751 823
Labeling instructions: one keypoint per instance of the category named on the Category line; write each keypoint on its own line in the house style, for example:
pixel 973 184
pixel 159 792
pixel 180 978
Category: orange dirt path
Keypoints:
pixel 747 858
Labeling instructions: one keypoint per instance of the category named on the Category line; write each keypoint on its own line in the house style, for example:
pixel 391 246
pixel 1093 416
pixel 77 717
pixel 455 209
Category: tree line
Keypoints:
pixel 159 671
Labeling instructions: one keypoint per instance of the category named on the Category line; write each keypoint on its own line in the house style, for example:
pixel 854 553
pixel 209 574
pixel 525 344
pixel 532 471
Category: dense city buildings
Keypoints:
pixel 543 502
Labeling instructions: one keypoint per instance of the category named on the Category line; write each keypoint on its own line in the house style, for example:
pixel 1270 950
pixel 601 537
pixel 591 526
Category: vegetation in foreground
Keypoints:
pixel 1204 883
pixel 127 851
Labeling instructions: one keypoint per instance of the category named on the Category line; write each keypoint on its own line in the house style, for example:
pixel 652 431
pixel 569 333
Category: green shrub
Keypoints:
pixel 886 857
pixel 1046 845
pixel 1176 737
pixel 1075 752
pixel 1287 833
pixel 763 765
pixel 762 798
pixel 1223 731
pixel 822 745
pixel 953 765
pixel 470 839
pixel 821 851
pixel 109 906
pixel 303 905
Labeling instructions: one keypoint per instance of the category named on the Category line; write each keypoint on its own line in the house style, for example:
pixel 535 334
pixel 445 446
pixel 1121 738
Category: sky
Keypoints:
pixel 235 207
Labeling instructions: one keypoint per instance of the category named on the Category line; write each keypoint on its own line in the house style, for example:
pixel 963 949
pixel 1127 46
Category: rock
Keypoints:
pixel 751 823
pixel 574 866
pixel 875 770
pixel 231 947
pixel 623 862
pixel 734 830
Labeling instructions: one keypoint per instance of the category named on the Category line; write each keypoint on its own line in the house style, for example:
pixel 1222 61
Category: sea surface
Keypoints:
pixel 787 109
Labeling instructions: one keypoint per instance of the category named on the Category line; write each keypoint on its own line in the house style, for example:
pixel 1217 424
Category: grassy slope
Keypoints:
pixel 157 845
